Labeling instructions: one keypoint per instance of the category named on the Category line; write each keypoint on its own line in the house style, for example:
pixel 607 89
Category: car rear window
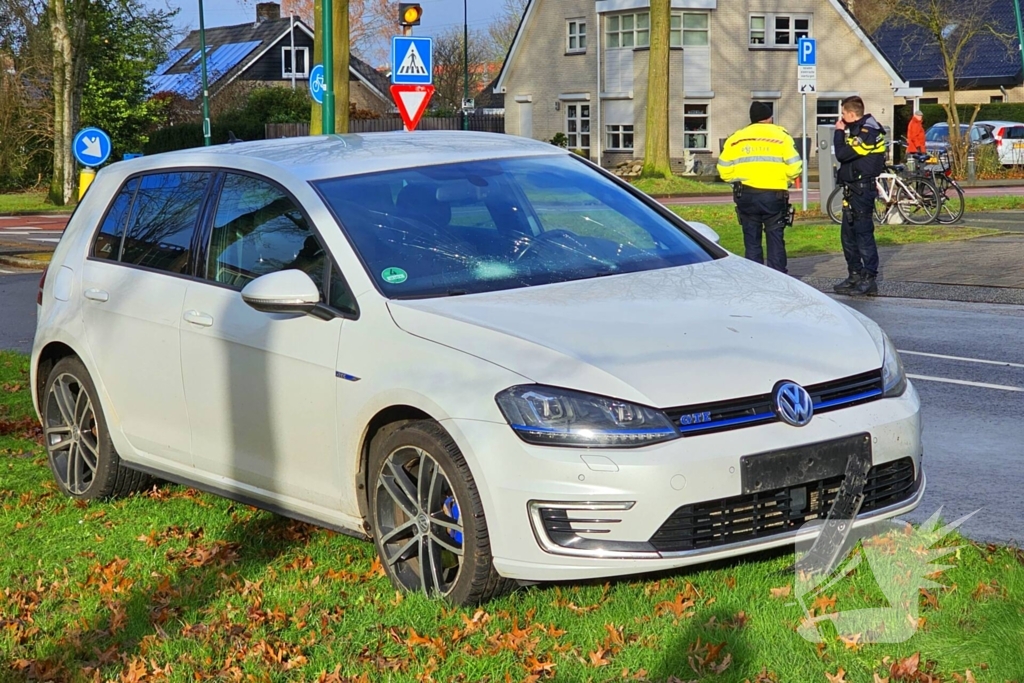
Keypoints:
pixel 107 244
pixel 1014 133
pixel 163 220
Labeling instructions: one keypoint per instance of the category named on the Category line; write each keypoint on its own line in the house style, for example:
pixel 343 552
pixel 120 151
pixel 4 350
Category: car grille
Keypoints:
pixel 745 412
pixel 759 515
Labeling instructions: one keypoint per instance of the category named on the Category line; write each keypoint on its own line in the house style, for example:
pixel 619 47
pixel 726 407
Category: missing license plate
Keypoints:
pixel 801 464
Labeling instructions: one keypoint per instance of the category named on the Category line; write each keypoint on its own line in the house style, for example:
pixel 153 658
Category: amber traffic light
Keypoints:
pixel 409 13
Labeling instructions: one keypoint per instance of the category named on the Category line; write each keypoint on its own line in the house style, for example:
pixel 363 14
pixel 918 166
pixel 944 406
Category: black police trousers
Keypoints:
pixel 857 233
pixel 765 210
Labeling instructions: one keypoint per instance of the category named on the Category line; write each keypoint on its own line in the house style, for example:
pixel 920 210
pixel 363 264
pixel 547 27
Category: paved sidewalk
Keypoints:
pixel 983 269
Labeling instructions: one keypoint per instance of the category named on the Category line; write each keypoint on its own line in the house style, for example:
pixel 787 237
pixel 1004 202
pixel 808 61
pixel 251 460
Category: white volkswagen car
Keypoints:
pixel 494 359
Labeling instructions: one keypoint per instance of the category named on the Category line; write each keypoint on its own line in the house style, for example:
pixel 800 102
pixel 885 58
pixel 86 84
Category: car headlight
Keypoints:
pixel 894 379
pixel 559 417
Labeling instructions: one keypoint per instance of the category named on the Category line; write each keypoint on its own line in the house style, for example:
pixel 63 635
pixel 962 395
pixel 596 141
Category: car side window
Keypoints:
pixel 163 220
pixel 108 240
pixel 258 230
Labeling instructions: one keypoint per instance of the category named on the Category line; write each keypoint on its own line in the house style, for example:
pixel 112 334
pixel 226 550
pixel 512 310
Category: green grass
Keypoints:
pixel 24 203
pixel 813 234
pixel 198 588
pixel 678 185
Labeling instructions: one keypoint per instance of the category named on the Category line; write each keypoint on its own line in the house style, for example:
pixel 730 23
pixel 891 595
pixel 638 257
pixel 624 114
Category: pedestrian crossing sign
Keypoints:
pixel 412 60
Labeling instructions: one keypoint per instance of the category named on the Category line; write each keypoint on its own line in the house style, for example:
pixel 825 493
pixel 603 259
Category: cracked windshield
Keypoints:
pixel 500 224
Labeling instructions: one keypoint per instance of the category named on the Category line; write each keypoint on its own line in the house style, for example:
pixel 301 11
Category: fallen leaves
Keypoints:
pixel 781 592
pixel 838 677
pixel 679 607
pixel 705 658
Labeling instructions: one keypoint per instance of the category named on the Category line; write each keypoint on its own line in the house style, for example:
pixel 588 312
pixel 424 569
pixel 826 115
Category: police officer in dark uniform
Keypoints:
pixel 860 148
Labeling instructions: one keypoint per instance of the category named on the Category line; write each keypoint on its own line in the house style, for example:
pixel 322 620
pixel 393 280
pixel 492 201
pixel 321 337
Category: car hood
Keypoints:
pixel 707 332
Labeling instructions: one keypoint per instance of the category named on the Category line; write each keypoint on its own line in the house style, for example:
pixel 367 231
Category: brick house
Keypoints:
pixel 579 67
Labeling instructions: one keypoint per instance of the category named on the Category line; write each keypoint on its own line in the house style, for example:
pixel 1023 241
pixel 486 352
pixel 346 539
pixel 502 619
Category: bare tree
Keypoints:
pixel 371 23
pixel 68 21
pixel 656 145
pixel 448 68
pixel 959 31
pixel 502 30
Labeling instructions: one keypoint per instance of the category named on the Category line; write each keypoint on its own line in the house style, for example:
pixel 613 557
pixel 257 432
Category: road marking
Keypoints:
pixel 983 385
pixel 967 360
pixel 20 227
pixel 45 239
pixel 6 272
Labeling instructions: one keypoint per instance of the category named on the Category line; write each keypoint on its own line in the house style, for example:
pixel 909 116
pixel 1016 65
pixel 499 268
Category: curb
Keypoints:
pixel 18 262
pixel 928 290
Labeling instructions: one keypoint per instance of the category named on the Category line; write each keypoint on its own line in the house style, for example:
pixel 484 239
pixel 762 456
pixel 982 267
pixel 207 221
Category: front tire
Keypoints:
pixel 81 455
pixel 426 516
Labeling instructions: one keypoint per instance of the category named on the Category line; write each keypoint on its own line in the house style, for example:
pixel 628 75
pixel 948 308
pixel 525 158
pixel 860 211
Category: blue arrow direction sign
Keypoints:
pixel 807 52
pixel 412 60
pixel 317 85
pixel 91 147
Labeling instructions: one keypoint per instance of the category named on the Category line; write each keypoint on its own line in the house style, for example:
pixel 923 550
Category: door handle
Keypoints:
pixel 197 318
pixel 96 295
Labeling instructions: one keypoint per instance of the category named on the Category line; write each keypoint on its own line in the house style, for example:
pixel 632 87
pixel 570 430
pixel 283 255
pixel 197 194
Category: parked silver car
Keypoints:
pixel 936 139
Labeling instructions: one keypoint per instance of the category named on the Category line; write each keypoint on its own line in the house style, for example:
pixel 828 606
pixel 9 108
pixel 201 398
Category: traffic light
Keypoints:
pixel 409 13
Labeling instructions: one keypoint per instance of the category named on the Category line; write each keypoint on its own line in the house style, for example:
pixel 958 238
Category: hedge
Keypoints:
pixel 998 111
pixel 186 135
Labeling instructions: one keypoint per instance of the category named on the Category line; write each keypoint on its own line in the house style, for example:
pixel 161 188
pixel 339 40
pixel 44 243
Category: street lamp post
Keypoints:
pixel 206 89
pixel 465 63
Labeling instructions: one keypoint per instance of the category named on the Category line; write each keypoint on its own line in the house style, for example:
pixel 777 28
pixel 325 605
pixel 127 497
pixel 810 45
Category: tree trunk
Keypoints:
pixel 656 145
pixel 316 124
pixel 62 183
pixel 341 75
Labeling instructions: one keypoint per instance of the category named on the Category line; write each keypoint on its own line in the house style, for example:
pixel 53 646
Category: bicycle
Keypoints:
pixel 938 170
pixel 915 198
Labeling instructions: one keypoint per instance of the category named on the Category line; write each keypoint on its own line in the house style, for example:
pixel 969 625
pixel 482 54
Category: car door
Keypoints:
pixel 134 284
pixel 260 386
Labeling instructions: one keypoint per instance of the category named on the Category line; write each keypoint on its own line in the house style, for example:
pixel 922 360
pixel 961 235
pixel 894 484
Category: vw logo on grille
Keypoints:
pixel 793 404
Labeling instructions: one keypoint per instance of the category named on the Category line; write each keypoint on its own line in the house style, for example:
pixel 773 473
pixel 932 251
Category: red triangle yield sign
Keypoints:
pixel 412 101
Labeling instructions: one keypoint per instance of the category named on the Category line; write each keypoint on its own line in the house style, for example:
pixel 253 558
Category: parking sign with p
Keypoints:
pixel 807 52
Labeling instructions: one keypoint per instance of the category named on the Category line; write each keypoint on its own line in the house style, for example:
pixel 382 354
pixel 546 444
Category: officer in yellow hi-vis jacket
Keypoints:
pixel 761 162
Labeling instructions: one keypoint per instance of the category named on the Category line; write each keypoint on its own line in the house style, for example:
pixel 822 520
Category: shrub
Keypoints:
pixel 560 140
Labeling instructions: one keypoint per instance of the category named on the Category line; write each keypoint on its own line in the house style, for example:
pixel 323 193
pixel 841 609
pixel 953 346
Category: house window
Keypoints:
pixel 301 62
pixel 689 29
pixel 620 136
pixel 695 126
pixel 994 99
pixel 828 112
pixel 779 30
pixel 628 30
pixel 577 127
pixel 577 36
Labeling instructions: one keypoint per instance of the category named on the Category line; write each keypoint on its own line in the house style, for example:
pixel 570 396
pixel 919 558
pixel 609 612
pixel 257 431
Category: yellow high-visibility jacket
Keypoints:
pixel 762 155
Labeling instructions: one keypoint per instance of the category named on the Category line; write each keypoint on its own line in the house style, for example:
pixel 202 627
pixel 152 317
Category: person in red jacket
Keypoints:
pixel 915 134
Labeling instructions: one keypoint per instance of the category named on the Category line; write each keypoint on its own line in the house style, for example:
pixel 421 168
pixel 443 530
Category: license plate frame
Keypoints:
pixel 802 464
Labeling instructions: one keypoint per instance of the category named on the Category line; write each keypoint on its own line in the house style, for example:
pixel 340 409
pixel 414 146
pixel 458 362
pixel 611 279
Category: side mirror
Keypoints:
pixel 286 291
pixel 704 230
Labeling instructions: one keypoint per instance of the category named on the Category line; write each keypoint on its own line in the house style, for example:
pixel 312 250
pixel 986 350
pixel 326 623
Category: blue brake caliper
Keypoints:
pixel 451 508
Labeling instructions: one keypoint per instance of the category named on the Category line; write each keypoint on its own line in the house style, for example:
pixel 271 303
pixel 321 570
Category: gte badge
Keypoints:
pixel 695 418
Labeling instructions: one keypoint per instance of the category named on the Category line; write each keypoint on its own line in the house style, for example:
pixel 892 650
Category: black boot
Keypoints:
pixel 848 285
pixel 867 285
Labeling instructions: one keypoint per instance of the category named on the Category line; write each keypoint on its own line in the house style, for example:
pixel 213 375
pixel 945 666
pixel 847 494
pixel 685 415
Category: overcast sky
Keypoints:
pixel 437 14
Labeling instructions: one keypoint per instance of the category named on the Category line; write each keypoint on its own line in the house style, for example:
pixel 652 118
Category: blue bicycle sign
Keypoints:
pixel 317 84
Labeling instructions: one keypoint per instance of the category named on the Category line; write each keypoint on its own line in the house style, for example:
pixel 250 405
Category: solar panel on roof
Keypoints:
pixel 172 58
pixel 194 59
pixel 227 57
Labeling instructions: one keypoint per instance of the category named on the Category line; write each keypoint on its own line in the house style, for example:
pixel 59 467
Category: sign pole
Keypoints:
pixel 327 111
pixel 206 88
pixel 803 151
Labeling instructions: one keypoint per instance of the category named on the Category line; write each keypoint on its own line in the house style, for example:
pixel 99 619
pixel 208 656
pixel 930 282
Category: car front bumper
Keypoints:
pixel 615 501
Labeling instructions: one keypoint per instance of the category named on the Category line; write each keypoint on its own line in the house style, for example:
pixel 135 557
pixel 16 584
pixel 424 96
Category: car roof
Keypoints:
pixel 1001 123
pixel 328 156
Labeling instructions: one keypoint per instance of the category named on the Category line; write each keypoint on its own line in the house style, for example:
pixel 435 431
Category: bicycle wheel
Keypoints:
pixel 835 205
pixel 917 200
pixel 952 208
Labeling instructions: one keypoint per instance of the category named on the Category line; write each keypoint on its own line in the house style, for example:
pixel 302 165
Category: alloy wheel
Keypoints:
pixel 71 434
pixel 419 522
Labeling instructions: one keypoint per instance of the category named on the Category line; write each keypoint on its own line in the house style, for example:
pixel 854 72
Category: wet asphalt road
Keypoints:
pixel 973 434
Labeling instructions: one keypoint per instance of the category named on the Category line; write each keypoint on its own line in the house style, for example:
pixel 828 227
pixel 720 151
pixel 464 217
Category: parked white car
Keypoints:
pixel 1009 138
pixel 494 359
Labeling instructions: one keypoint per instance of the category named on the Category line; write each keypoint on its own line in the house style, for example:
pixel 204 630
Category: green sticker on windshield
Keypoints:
pixel 394 276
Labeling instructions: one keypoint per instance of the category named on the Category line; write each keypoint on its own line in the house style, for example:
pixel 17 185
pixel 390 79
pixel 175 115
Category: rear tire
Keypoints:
pixel 427 518
pixel 920 206
pixel 835 205
pixel 81 455
pixel 952 208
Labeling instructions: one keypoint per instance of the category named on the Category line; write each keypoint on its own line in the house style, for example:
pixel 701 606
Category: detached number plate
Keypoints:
pixel 802 464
